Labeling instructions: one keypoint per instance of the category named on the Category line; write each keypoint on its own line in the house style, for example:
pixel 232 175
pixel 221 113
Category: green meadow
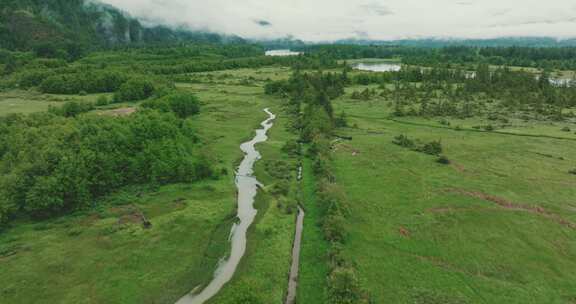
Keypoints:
pixel 496 225
pixel 105 255
pixel 31 101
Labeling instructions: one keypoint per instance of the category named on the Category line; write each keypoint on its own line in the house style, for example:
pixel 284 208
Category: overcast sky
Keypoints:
pixel 326 20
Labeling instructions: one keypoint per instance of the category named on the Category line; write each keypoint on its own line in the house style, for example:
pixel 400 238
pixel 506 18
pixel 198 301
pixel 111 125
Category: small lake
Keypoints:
pixel 378 66
pixel 562 82
pixel 282 53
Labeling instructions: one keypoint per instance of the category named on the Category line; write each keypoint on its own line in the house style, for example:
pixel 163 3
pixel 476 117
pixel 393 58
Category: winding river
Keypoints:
pixel 247 186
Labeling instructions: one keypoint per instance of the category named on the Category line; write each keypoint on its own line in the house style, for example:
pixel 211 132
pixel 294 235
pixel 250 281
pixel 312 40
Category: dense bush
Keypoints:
pixel 72 108
pixel 134 89
pixel 292 148
pixel 334 229
pixel 89 82
pixel 442 159
pixel 32 78
pixel 403 141
pixel 183 104
pixel 52 164
pixel 103 101
pixel 433 148
pixel 341 121
pixel 344 286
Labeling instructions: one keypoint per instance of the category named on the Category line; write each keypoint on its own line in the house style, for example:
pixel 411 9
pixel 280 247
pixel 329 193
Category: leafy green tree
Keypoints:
pixel 432 148
pixel 102 101
pixel 47 49
pixel 184 104
pixel 344 286
pixel 45 196
pixel 404 141
pixel 341 121
pixel 135 89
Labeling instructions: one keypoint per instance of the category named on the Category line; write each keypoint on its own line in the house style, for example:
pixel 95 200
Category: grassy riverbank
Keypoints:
pixel 106 256
pixel 262 276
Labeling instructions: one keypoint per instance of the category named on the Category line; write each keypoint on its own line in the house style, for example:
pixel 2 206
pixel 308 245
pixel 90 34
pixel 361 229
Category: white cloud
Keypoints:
pixel 378 19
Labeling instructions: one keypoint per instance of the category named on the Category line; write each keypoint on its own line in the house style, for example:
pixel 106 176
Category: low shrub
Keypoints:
pixel 182 104
pixel 102 101
pixel 403 141
pixel 292 148
pixel 134 89
pixel 72 108
pixel 432 148
pixel 442 159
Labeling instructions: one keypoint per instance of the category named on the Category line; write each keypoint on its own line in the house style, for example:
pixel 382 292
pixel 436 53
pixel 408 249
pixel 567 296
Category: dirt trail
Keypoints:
pixel 504 203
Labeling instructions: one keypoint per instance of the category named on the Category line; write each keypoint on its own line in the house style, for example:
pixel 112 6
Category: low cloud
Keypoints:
pixel 377 9
pixel 328 20
pixel 536 21
pixel 499 12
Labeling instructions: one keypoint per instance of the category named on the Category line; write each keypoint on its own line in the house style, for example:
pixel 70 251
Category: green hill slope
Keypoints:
pixel 27 24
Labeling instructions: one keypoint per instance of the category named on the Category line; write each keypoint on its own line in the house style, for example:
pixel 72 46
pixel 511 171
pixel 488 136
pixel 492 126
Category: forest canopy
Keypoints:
pixel 51 164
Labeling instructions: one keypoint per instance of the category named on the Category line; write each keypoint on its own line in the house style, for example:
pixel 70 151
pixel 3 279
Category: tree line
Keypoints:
pixel 563 58
pixel 308 100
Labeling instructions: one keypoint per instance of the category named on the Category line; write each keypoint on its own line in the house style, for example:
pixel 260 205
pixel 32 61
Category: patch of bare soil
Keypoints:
pixel 179 203
pixel 507 204
pixel 120 112
pixel 133 215
pixel 469 172
pixel 460 209
pixel 90 219
pixel 404 232
pixel 347 148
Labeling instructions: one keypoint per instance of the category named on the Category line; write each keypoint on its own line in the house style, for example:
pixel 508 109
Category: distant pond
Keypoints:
pixel 282 53
pixel 378 66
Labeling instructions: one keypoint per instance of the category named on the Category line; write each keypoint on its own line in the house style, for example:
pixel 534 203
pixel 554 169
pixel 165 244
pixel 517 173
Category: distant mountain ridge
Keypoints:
pixel 296 44
pixel 26 23
pixel 492 42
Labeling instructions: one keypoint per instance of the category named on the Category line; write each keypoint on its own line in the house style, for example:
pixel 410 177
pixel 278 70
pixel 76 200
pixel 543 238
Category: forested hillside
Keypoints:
pixel 68 26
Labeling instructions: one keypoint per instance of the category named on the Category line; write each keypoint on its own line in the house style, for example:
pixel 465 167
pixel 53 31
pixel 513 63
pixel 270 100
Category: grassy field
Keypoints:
pixel 20 101
pixel 495 226
pixel 107 256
